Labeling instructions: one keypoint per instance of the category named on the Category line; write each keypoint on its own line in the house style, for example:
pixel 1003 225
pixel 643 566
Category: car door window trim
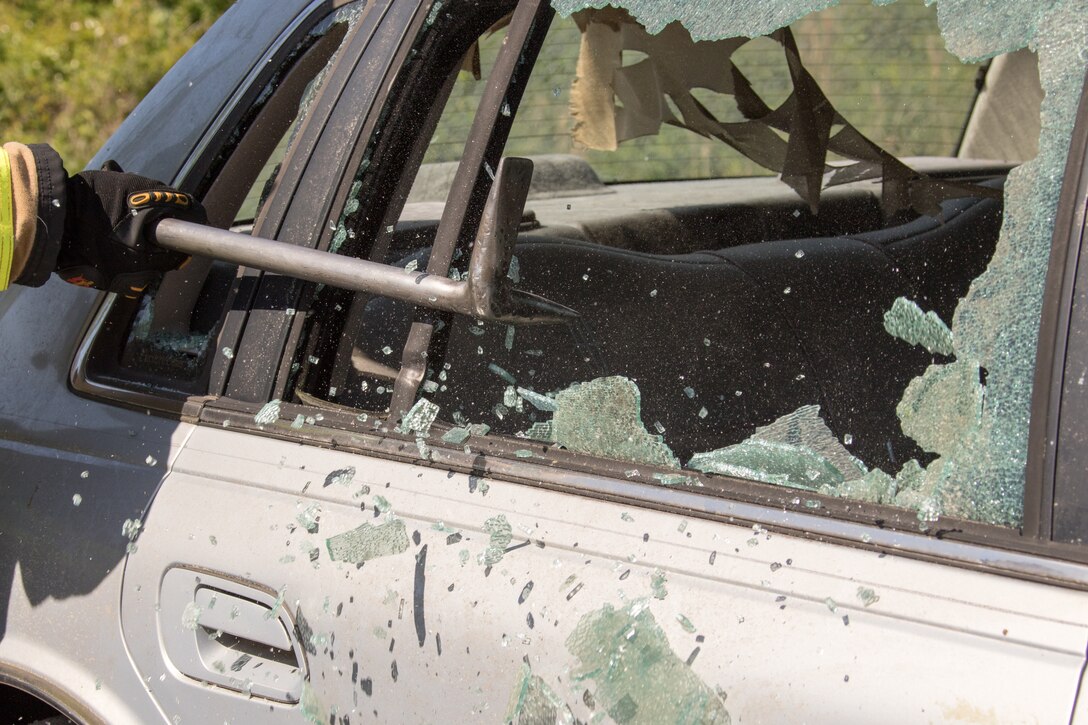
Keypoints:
pixel 1051 363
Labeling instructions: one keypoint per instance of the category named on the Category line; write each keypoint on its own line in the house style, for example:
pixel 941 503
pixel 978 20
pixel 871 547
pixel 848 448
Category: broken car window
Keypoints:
pixel 806 248
pixel 167 338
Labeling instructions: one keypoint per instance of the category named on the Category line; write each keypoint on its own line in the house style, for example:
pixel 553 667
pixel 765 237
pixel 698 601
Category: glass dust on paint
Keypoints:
pixel 639 679
pixel 533 702
pixel 368 541
pixel 501 534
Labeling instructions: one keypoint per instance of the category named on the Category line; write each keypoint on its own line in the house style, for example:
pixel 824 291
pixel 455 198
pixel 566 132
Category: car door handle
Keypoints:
pixel 241 618
pixel 228 633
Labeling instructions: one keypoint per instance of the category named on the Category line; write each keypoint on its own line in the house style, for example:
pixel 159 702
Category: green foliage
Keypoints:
pixel 70 72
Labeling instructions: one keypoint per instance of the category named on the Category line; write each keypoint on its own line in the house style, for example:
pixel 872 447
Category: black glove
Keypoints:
pixel 108 213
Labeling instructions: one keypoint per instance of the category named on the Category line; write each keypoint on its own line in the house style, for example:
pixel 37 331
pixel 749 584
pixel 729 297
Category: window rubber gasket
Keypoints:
pixel 1051 363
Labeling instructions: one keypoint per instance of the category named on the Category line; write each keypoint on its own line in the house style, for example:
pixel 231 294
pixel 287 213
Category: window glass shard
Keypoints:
pixel 532 702
pixel 456 436
pixel 368 542
pixel 603 418
pixel 623 650
pixel 943 409
pixel 309 518
pixel 706 19
pixel 981 29
pixel 797 450
pixel 906 321
pixel 541 432
pixel 658 582
pixel 269 413
pixel 538 401
pixel 498 528
pixel 418 420
pixel 996 324
pixel 876 486
pixel 771 462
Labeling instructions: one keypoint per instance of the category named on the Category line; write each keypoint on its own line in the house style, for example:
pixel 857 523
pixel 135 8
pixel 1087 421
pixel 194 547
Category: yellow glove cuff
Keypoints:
pixel 7 221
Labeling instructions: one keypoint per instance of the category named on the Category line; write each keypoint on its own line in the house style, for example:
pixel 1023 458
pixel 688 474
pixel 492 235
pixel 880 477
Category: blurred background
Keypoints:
pixel 70 72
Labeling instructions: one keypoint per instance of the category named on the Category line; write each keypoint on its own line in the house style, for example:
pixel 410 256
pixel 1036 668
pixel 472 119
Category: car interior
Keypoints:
pixel 730 295
pixel 729 302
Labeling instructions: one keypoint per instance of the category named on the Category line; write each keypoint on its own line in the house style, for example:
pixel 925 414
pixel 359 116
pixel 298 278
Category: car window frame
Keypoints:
pixel 474 177
pixel 92 371
pixel 1056 450
pixel 298 210
pixel 1027 552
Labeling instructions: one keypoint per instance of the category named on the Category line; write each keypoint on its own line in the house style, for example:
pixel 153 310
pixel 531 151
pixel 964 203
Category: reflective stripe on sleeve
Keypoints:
pixel 7 221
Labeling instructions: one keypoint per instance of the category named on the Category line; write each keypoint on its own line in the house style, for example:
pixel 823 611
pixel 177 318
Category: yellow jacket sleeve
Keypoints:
pixel 32 203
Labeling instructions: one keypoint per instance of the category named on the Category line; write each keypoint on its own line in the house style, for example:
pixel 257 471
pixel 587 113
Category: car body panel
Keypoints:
pixel 448 618
pixel 215 67
pixel 74 472
pixel 64 568
pixel 787 636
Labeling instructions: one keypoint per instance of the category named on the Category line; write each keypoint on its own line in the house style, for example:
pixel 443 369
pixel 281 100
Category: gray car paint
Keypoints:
pixel 61 562
pixel 964 638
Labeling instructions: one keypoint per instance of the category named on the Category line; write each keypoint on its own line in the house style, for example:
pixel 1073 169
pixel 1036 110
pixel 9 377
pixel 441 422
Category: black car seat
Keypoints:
pixel 721 341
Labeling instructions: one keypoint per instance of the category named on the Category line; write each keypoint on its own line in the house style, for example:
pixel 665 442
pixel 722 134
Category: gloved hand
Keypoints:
pixel 107 216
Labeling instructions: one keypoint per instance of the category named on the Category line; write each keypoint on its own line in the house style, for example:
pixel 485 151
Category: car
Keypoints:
pixel 554 362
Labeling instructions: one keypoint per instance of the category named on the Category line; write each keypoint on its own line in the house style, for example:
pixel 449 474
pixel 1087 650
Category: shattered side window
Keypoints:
pixel 167 338
pixel 351 355
pixel 649 136
pixel 857 319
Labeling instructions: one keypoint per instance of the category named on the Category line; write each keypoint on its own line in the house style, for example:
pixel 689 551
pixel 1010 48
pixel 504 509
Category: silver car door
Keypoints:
pixel 310 557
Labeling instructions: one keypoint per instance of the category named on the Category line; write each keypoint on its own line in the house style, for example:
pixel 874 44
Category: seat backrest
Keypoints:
pixel 720 342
